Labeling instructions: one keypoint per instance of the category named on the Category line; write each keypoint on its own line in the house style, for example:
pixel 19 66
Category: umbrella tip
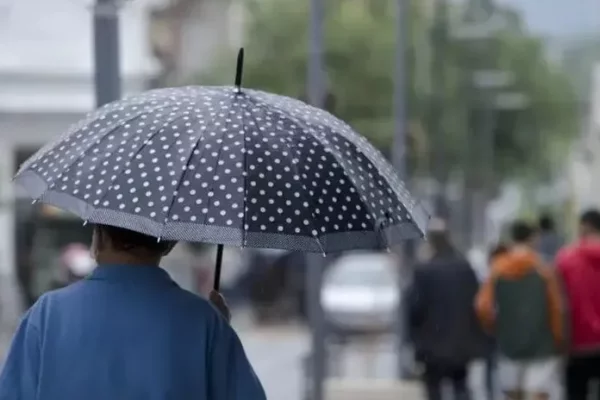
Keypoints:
pixel 239 70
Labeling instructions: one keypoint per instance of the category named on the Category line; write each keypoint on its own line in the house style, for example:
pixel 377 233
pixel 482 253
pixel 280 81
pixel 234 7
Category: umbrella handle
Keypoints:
pixel 217 281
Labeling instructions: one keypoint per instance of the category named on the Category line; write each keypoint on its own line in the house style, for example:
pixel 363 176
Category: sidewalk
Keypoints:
pixel 354 389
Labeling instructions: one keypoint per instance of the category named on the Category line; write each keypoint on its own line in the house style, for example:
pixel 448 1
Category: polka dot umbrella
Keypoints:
pixel 226 166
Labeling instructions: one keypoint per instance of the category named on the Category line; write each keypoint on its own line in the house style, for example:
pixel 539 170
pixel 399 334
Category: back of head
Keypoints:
pixel 589 223
pixel 522 233
pixel 546 223
pixel 135 243
pixel 497 251
pixel 439 238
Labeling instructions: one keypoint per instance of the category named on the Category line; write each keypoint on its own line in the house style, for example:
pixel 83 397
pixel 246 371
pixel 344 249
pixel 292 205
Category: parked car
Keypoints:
pixel 360 294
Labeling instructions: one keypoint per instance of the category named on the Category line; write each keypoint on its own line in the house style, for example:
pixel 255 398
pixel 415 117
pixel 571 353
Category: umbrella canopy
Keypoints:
pixel 227 166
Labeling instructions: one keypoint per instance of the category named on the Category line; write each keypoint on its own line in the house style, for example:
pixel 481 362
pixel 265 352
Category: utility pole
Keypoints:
pixel 316 67
pixel 400 162
pixel 400 90
pixel 317 364
pixel 106 52
pixel 438 81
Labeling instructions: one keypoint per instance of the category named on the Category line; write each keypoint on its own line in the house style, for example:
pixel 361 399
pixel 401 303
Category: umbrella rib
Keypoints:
pixel 369 152
pixel 217 159
pixel 364 147
pixel 311 202
pixel 338 158
pixel 245 178
pixel 174 195
pixel 139 150
pixel 84 153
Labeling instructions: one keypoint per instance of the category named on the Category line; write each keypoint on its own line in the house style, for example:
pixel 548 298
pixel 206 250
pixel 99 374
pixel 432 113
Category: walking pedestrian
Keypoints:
pixel 441 319
pixel 520 304
pixel 127 332
pixel 75 263
pixel 579 268
pixel 491 357
pixel 550 242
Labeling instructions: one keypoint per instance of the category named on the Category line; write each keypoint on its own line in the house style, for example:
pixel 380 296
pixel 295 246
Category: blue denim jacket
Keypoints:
pixel 126 332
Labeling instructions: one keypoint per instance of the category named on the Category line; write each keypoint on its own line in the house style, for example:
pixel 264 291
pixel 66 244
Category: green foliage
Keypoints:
pixel 359 54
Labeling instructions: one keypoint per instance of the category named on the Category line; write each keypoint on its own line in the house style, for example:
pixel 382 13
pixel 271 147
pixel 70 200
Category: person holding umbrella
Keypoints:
pixel 216 165
pixel 127 331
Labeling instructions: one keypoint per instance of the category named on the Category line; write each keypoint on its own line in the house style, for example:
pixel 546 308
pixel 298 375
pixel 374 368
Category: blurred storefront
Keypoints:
pixel 585 160
pixel 46 76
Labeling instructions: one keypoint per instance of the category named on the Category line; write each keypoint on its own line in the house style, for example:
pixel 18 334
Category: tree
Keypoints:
pixel 359 58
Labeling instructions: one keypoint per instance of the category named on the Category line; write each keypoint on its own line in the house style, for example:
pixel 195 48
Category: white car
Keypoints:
pixel 360 293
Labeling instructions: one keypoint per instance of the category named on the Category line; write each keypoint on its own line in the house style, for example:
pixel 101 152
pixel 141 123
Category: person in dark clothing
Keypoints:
pixel 442 322
pixel 549 241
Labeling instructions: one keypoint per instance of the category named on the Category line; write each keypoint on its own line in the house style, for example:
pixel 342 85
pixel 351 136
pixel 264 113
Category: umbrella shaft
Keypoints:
pixel 219 262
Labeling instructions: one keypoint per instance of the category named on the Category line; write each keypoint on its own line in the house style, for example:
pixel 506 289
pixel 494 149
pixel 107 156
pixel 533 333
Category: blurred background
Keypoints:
pixel 490 109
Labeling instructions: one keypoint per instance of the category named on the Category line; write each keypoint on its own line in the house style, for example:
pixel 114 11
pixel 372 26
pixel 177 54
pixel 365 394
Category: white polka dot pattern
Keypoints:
pixel 209 164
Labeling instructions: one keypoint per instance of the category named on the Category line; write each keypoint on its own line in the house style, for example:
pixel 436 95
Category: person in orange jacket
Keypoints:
pixel 520 303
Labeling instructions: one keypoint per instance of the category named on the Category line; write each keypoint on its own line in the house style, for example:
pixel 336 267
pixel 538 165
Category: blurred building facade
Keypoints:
pixel 586 161
pixel 47 81
pixel 187 35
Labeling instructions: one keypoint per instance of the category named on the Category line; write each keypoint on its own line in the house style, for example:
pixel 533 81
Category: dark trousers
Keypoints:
pixel 436 375
pixel 581 372
pixel 490 369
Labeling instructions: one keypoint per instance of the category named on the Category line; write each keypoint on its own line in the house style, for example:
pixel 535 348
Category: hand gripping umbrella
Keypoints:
pixel 226 166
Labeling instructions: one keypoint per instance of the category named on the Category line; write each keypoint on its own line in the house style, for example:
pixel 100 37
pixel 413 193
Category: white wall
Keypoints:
pixel 47 53
pixel 56 36
pixel 213 26
pixel 585 164
pixel 46 84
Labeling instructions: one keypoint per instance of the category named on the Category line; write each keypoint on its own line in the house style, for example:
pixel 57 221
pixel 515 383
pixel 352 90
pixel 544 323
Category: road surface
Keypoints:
pixel 276 355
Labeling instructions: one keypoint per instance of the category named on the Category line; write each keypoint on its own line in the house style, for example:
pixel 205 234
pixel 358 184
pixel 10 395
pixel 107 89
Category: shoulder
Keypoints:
pixel 548 274
pixel 195 303
pixel 423 270
pixel 567 252
pixel 565 257
pixel 37 313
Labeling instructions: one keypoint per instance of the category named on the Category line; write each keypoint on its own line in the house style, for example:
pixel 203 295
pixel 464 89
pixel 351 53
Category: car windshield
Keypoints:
pixel 360 278
pixel 361 274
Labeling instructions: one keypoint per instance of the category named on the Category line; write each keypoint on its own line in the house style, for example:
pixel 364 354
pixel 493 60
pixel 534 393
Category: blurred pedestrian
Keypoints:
pixel 491 358
pixel 127 332
pixel 520 304
pixel 550 242
pixel 75 263
pixel 579 267
pixel 441 319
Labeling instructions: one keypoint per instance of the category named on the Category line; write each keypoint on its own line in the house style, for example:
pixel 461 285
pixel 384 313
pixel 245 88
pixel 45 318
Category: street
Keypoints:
pixel 277 354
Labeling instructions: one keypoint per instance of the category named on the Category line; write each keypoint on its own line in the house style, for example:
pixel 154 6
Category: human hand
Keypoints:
pixel 219 302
